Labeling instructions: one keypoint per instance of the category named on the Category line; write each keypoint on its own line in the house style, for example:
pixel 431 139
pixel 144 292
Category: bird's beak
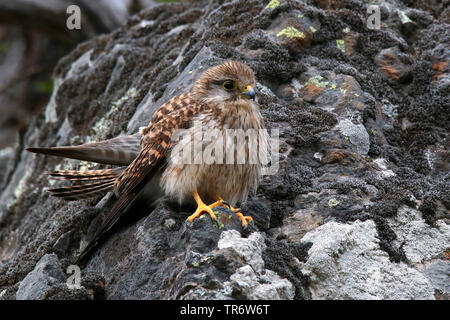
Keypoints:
pixel 248 92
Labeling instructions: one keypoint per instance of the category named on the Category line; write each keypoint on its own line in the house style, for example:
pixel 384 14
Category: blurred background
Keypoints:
pixel 33 37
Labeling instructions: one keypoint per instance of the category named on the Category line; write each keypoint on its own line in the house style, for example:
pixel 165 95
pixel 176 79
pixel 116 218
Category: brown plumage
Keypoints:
pixel 221 99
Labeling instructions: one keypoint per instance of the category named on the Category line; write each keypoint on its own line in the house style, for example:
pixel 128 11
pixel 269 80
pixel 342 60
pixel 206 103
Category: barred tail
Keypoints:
pixel 85 184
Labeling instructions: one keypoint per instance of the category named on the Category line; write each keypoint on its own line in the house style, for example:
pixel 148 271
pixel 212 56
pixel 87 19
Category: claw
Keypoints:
pixel 201 209
pixel 244 219
pixel 220 203
pixel 226 203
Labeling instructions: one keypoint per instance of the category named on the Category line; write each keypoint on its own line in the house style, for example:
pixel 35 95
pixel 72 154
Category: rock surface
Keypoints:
pixel 45 274
pixel 346 262
pixel 358 208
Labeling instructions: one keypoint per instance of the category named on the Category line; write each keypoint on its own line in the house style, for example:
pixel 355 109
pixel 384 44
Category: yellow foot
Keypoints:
pixel 201 209
pixel 244 219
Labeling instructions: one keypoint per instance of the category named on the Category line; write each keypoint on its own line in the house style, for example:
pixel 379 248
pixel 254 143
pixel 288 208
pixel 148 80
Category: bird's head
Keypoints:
pixel 231 81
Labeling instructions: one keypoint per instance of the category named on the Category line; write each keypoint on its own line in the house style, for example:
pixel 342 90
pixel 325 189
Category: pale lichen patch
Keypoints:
pixel 102 125
pixel 291 32
pixel 21 187
pixel 316 80
pixel 273 4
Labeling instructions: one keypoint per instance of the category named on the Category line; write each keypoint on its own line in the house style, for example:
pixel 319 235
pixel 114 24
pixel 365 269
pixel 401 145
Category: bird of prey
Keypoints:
pixel 222 99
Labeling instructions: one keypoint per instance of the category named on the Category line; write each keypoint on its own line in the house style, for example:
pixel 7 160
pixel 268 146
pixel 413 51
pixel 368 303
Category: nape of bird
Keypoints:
pixel 153 161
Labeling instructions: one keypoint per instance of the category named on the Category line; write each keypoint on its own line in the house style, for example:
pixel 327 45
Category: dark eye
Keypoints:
pixel 228 85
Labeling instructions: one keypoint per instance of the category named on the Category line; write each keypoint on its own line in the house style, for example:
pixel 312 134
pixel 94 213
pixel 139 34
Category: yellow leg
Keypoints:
pixel 201 208
pixel 244 219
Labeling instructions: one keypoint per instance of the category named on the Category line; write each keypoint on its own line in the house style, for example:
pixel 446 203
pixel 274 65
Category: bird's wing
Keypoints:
pixel 120 151
pixel 155 145
pixel 179 102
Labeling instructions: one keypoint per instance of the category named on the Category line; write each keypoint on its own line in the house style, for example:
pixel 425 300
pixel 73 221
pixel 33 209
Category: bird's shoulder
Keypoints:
pixel 177 113
pixel 156 140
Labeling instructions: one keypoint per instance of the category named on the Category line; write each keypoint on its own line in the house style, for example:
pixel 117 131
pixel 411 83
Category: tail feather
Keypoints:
pixel 82 191
pixel 85 184
pixel 88 175
pixel 120 151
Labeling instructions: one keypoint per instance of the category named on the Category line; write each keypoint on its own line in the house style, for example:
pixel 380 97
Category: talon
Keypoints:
pixel 226 203
pixel 220 203
pixel 244 219
pixel 201 209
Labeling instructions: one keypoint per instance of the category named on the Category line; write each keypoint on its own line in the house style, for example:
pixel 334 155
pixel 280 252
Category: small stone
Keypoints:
pixel 170 224
pixel 357 135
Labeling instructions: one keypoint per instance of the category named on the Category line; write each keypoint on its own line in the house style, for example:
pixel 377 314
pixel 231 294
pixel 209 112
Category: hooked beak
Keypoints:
pixel 249 92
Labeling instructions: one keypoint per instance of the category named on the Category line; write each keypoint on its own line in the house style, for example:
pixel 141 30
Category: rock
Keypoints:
pixel 419 240
pixel 253 280
pixel 346 262
pixel 390 64
pixel 356 208
pixel 38 282
pixel 438 273
pixel 268 286
pixel 195 261
pixel 357 134
pixel 250 249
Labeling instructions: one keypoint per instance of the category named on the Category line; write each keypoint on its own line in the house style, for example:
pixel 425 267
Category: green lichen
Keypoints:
pixel 195 264
pixel 273 4
pixel 291 32
pixel 316 80
pixel 333 86
pixel 312 29
pixel 341 45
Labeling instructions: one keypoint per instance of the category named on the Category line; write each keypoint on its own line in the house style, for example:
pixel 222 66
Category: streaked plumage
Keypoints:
pixel 214 104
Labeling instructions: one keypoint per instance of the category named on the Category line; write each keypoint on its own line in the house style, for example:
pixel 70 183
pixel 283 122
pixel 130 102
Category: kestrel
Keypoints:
pixel 222 100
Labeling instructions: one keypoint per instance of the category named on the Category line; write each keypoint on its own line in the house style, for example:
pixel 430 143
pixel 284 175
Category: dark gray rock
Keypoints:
pixel 46 273
pixel 361 191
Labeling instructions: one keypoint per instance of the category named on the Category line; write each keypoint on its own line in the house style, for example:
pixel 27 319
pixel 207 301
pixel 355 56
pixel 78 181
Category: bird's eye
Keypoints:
pixel 229 85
